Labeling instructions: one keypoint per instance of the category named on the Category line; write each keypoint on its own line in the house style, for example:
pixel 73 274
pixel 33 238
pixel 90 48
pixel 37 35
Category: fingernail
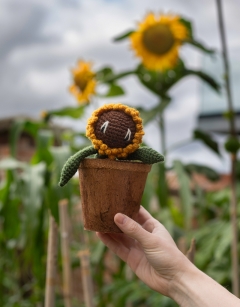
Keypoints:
pixel 120 218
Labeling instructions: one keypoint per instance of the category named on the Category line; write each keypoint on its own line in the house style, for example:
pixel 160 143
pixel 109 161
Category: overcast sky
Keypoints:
pixel 42 39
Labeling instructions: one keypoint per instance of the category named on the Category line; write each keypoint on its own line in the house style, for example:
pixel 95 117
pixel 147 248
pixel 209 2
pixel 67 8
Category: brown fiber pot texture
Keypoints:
pixel 108 187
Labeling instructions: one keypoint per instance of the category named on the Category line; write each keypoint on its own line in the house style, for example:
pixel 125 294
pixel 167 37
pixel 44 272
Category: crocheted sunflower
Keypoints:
pixel 116 133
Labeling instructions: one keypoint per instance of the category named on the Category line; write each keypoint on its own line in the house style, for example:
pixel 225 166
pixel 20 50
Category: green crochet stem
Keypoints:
pixel 72 164
pixel 146 155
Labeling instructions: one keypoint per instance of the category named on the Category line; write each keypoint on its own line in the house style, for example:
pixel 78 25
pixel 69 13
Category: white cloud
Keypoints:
pixel 44 83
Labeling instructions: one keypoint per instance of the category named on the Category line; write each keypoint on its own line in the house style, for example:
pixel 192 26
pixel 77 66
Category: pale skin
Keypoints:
pixel 148 248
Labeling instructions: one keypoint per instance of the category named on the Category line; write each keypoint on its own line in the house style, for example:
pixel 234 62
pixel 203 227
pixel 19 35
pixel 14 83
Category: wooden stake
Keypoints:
pixel 181 243
pixel 232 130
pixel 63 211
pixel 86 277
pixel 191 252
pixel 51 263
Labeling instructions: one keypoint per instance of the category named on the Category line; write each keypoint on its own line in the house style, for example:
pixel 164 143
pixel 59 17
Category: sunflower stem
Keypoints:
pixel 119 76
pixel 161 124
pixel 232 128
pixel 162 133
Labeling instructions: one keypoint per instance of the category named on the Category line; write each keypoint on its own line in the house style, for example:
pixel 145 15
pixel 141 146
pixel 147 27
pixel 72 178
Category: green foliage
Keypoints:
pixel 73 112
pixel 191 40
pixel 158 82
pixel 238 169
pixel 44 141
pixel 162 186
pixel 24 125
pixel 202 169
pixel 207 140
pixel 214 85
pixel 149 115
pixel 185 193
pixel 106 75
pixel 114 90
pixel 29 191
pixel 23 239
pixel 213 236
pixel 188 24
pixel 232 145
pixel 200 46
pixel 15 131
pixel 123 36
pixel 136 293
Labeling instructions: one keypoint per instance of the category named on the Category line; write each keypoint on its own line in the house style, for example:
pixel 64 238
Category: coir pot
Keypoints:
pixel 108 187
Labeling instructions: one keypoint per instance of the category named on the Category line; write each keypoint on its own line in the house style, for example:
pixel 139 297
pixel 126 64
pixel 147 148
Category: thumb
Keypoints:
pixel 133 230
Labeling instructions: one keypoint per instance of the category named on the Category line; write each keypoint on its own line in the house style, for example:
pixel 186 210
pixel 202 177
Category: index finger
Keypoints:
pixel 146 220
pixel 143 215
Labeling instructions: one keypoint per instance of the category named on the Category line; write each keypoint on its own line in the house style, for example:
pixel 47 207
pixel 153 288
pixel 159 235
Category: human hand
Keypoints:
pixel 149 250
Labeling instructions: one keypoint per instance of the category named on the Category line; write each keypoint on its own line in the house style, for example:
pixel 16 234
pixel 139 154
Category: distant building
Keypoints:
pixel 25 146
pixel 216 122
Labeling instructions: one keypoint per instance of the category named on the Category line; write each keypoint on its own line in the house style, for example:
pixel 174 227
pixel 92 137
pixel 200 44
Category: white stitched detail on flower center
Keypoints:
pixel 128 135
pixel 104 126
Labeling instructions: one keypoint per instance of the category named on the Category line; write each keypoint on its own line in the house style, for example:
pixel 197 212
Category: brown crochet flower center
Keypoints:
pixel 115 128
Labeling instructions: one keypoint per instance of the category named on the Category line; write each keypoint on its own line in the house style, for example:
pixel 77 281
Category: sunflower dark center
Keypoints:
pixel 81 80
pixel 158 39
pixel 115 128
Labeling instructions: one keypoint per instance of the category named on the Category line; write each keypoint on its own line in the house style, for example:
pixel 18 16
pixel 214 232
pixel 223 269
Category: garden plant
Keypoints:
pixel 30 194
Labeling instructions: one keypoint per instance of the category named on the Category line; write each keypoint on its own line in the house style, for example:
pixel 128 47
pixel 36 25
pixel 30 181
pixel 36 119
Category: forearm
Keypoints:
pixel 196 289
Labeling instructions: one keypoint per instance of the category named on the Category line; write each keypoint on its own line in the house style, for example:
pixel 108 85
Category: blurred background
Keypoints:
pixel 42 124
pixel 42 40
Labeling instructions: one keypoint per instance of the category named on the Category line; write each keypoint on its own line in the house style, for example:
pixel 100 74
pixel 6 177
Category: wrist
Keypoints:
pixel 180 287
pixel 193 288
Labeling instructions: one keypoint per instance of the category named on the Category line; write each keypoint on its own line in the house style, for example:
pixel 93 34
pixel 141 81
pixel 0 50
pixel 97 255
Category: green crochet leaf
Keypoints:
pixel 72 164
pixel 146 155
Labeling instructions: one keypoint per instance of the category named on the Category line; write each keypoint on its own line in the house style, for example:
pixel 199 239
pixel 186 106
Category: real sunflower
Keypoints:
pixel 43 114
pixel 106 130
pixel 157 41
pixel 84 82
